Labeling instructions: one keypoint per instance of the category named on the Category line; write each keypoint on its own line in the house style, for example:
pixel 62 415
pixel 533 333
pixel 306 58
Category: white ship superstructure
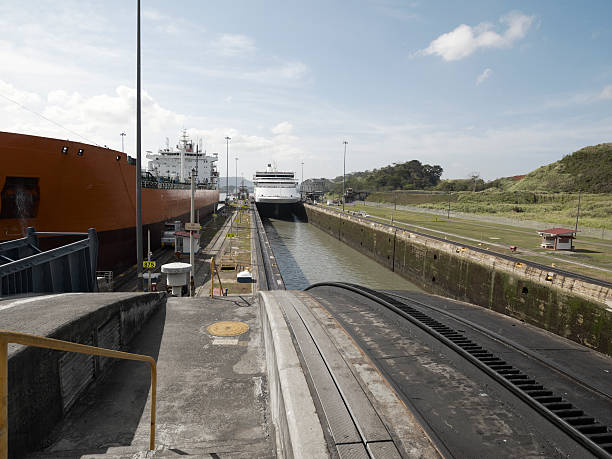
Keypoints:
pixel 175 164
pixel 274 187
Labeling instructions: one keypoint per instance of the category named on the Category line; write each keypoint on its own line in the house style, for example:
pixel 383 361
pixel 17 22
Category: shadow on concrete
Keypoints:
pixel 109 413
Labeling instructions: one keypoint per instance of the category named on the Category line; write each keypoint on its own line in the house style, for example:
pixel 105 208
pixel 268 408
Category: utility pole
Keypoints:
pixel 227 139
pixel 302 182
pixel 578 212
pixel 191 245
pixel 236 190
pixel 122 146
pixel 139 284
pixel 448 214
pixel 344 173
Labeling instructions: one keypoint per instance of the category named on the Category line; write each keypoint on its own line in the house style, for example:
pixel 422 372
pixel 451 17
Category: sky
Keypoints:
pixel 494 87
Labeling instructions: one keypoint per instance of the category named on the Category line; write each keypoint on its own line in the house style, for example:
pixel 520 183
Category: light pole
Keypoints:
pixel 578 211
pixel 344 173
pixel 139 283
pixel 122 137
pixel 302 182
pixel 227 139
pixel 236 190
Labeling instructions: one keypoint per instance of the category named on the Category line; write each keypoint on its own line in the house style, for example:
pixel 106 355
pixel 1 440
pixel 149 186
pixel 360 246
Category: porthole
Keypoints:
pixel 118 157
pixel 80 152
pixel 65 150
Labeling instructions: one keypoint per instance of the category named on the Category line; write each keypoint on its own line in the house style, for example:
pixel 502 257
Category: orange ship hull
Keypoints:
pixel 60 185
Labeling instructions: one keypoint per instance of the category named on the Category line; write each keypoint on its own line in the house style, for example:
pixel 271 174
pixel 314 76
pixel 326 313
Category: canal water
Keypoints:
pixel 306 255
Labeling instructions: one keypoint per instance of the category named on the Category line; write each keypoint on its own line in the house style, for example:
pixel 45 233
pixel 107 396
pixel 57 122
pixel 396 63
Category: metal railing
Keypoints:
pixel 27 339
pixel 24 268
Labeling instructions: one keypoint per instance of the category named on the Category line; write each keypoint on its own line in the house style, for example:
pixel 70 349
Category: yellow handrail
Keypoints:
pixel 27 339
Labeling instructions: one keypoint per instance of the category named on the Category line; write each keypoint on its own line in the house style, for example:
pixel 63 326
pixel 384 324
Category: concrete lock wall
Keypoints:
pixel 569 307
pixel 44 384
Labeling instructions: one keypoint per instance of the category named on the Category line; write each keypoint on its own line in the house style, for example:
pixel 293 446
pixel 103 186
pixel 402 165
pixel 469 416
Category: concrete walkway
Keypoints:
pixel 212 391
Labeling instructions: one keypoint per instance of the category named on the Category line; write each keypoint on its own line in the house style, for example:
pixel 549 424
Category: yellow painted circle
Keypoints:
pixel 227 328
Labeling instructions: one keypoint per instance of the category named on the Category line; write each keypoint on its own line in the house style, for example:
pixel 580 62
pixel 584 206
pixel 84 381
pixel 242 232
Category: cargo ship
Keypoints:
pixel 62 185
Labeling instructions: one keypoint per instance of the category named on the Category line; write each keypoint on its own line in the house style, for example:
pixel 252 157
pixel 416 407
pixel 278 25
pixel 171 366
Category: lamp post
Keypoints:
pixel 236 190
pixel 227 139
pixel 302 182
pixel 344 173
pixel 139 282
pixel 578 211
pixel 122 146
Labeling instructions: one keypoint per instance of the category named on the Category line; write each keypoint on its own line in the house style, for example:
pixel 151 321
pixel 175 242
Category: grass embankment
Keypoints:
pixel 498 238
pixel 557 208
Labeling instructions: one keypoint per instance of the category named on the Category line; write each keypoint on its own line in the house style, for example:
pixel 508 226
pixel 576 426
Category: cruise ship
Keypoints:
pixel 276 193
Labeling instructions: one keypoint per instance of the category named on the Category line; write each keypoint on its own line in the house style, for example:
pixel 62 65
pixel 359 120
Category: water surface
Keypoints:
pixel 306 255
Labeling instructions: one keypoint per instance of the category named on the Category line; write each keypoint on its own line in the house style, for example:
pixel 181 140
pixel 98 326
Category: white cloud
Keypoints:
pixel 233 45
pixel 606 93
pixel 288 71
pixel 284 128
pixel 152 14
pixel 483 76
pixel 465 40
pixel 8 91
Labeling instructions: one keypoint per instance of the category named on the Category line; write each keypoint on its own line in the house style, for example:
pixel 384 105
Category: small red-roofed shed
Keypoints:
pixel 557 238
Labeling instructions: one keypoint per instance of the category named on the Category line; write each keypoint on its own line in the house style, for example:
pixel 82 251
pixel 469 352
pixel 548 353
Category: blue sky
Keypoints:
pixel 496 87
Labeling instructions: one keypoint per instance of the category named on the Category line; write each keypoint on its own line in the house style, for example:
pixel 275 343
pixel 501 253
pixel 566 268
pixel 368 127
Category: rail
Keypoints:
pixel 273 277
pixel 578 425
pixel 27 339
pixel 24 268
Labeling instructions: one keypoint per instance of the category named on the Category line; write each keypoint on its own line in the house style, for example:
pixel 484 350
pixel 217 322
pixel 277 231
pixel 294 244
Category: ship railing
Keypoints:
pixel 27 339
pixel 164 185
pixel 69 268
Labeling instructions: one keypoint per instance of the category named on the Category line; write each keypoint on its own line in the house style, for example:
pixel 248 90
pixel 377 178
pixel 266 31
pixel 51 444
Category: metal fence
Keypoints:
pixel 24 268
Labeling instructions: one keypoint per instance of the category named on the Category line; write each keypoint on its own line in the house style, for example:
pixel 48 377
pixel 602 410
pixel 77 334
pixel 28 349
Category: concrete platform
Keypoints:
pixel 268 392
pixel 212 391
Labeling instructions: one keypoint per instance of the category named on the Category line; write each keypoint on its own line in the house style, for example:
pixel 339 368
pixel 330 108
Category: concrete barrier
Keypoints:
pixel 45 384
pixel 570 307
pixel 298 429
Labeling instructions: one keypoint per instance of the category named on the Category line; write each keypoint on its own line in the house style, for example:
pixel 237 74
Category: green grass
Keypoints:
pixel 589 251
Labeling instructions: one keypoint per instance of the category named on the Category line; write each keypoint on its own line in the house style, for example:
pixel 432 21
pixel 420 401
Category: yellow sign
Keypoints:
pixel 231 235
pixel 148 264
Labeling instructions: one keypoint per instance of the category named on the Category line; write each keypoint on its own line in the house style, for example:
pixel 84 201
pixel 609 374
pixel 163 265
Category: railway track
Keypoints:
pixel 564 415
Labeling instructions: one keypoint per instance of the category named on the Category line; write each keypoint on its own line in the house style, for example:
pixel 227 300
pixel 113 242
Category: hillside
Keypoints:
pixel 411 175
pixel 549 193
pixel 588 169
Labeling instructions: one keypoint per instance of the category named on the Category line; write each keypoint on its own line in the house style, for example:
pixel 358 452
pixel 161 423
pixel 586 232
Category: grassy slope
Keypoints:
pixel 546 194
